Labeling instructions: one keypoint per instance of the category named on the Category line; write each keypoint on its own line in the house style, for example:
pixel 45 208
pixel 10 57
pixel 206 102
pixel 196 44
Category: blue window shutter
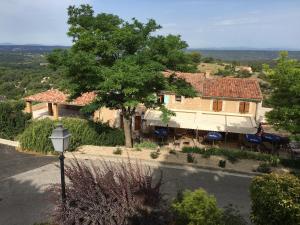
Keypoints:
pixel 166 99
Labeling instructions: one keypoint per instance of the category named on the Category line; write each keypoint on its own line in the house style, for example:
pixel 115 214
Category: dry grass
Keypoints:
pixel 213 67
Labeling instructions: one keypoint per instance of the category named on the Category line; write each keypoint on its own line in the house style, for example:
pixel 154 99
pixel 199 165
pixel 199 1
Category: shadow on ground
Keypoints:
pixel 13 162
pixel 23 203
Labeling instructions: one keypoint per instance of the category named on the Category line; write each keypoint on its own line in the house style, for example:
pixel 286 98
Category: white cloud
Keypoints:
pixel 237 21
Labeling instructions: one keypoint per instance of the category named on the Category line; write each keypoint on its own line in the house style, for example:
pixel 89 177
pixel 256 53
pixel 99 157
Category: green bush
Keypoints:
pixel 222 163
pixel 196 208
pixel 275 200
pixel 154 155
pixel 146 144
pixel 232 216
pixel 118 151
pixel 36 135
pixel 264 168
pixel 12 119
pixel 190 158
pixel 108 136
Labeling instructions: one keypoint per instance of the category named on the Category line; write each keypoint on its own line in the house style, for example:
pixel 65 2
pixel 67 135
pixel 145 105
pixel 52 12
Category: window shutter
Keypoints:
pixel 137 122
pixel 220 105
pixel 242 107
pixel 247 106
pixel 215 105
pixel 166 99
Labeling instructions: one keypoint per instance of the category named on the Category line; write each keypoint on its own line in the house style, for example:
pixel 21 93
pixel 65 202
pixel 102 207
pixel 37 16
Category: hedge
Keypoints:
pixel 36 135
pixel 12 119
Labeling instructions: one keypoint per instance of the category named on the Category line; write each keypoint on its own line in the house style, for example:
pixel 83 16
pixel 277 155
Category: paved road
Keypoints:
pixel 25 178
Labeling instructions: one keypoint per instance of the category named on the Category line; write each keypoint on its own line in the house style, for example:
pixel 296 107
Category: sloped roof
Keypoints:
pixel 241 88
pixel 56 96
pixel 195 79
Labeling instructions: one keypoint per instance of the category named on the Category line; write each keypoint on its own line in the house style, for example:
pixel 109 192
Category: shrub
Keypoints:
pixel 264 168
pixel 275 199
pixel 190 158
pixel 232 216
pixel 146 144
pixel 173 152
pixel 112 194
pixel 222 163
pixel 12 119
pixel 232 155
pixel 107 135
pixel 117 151
pixel 154 155
pixel 196 208
pixel 36 135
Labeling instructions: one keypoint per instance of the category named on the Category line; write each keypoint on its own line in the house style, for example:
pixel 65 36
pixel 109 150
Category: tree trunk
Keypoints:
pixel 127 132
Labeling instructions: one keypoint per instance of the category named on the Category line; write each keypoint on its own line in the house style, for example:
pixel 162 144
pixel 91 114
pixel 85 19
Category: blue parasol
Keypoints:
pixel 254 139
pixel 214 136
pixel 272 138
pixel 161 133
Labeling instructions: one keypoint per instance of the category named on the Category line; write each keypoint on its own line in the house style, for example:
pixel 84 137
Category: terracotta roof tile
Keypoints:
pixel 242 88
pixel 85 99
pixel 56 96
pixel 195 79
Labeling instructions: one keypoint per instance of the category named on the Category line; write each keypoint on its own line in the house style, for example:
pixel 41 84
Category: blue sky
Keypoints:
pixel 202 23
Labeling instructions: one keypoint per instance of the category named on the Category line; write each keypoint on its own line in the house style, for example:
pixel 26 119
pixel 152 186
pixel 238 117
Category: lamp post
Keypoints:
pixel 60 138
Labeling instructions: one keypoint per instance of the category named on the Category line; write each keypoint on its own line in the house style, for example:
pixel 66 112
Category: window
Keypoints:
pixel 178 98
pixel 244 107
pixel 217 105
pixel 160 98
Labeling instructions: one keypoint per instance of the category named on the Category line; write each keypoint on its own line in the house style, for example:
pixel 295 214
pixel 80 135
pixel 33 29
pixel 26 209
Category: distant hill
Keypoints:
pixel 245 55
pixel 28 48
pixel 223 54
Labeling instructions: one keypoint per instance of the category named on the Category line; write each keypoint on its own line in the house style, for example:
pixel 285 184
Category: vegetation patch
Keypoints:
pixel 147 145
pixel 83 132
pixel 198 207
pixel 118 151
pixel 154 155
pixel 231 155
pixel 275 199
pixel 12 119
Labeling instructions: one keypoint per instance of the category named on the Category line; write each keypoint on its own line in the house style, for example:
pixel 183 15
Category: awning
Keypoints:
pixel 181 120
pixel 204 121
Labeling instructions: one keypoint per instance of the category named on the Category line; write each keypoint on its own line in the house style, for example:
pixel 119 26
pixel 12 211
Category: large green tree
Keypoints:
pixel 285 96
pixel 122 61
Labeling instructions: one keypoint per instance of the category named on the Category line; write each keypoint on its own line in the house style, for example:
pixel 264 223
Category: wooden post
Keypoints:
pixel 28 108
pixel 55 111
pixel 50 109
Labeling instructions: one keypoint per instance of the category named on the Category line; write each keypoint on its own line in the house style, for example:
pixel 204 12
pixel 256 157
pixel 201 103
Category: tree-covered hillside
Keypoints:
pixel 23 73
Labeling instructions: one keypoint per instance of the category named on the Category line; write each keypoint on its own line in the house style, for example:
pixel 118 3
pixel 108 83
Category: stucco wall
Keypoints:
pixel 200 104
pixel 106 115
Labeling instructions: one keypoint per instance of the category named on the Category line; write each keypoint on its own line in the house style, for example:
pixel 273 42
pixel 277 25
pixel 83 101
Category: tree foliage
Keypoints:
pixel 12 119
pixel 285 95
pixel 120 60
pixel 275 200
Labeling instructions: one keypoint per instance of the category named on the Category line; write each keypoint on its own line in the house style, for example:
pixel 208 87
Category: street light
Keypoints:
pixel 60 138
